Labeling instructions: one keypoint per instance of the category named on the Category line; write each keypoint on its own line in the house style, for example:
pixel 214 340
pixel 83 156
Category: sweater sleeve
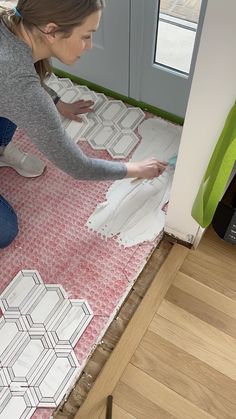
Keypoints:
pixel 32 109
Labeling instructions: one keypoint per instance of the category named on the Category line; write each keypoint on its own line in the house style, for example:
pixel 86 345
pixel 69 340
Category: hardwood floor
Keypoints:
pixel 177 357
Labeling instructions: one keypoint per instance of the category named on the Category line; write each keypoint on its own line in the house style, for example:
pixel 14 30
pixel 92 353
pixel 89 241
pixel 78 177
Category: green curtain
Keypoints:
pixel 217 174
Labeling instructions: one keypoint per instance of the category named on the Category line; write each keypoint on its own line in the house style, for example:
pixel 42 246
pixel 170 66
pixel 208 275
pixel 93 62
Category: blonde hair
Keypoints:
pixel 38 13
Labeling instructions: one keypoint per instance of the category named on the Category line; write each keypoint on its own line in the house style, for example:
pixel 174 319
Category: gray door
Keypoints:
pixel 108 63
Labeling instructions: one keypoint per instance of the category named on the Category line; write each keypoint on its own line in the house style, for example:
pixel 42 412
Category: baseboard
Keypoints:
pixel 173 239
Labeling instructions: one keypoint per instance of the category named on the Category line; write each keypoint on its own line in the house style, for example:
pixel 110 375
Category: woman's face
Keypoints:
pixel 69 50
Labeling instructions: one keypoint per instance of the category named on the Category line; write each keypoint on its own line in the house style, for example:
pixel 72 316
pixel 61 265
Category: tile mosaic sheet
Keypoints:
pixel 39 328
pixel 109 127
pixel 122 144
pixel 74 264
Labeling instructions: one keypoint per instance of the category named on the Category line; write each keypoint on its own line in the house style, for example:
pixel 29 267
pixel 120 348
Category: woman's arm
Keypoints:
pixel 32 109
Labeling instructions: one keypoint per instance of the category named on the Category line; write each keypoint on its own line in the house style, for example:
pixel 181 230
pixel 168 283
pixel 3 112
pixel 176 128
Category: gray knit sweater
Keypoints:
pixel 26 103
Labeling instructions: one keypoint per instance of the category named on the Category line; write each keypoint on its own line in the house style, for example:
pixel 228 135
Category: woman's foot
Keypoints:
pixel 25 164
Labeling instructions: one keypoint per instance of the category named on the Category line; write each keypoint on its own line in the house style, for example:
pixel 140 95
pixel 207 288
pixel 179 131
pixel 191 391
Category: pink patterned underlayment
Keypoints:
pixel 53 239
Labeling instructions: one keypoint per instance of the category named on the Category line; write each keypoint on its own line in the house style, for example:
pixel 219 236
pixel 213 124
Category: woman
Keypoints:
pixel 30 35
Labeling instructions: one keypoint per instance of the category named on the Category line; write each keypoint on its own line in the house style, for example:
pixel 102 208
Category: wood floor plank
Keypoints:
pixel 224 344
pixel 138 405
pixel 147 360
pixel 118 413
pixel 211 272
pixel 213 246
pixel 189 365
pixel 162 396
pixel 206 294
pixel 194 345
pixel 202 310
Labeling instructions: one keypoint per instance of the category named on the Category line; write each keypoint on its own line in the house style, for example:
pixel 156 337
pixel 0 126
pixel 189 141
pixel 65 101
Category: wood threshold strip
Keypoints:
pixel 120 357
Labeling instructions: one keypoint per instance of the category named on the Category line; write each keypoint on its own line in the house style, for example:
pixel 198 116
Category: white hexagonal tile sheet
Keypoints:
pixel 23 360
pixel 5 379
pixel 83 89
pixel 77 129
pixel 70 95
pixel 122 145
pixel 112 111
pixel 48 80
pixel 93 123
pixel 54 83
pixel 48 302
pixel 101 100
pixel 20 290
pixel 101 136
pixel 14 406
pixel 10 336
pixel 102 126
pixel 17 341
pixel 38 330
pixel 87 94
pixel 2 382
pixel 66 83
pixel 130 119
pixel 72 319
pixel 51 383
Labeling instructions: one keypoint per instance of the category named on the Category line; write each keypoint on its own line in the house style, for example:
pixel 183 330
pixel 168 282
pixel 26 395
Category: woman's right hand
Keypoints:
pixel 146 169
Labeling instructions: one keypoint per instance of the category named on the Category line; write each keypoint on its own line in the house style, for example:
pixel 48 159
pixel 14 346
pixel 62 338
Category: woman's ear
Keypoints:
pixel 50 31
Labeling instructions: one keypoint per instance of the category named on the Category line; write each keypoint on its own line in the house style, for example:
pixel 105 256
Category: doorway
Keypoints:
pixel 146 51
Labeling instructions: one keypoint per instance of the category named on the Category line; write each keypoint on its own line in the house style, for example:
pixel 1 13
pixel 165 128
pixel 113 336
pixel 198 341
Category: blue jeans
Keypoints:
pixel 8 223
pixel 7 130
pixel 8 218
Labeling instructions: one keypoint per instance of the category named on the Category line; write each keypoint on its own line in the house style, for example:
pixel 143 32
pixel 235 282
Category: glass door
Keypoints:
pixel 164 41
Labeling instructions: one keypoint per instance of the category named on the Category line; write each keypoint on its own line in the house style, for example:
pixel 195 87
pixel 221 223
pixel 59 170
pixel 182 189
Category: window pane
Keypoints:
pixel 176 32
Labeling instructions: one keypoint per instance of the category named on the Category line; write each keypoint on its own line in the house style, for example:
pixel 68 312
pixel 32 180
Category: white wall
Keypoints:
pixel 212 95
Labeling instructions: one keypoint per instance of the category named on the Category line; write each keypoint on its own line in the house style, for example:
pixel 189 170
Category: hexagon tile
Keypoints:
pixel 122 145
pixel 39 328
pixel 102 135
pixel 112 110
pixel 109 127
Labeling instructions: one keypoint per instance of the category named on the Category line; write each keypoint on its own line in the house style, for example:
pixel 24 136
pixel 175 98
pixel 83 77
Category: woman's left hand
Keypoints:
pixel 72 110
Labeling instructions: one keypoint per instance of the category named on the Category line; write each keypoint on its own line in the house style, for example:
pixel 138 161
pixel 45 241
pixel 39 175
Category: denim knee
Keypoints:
pixel 7 130
pixel 8 223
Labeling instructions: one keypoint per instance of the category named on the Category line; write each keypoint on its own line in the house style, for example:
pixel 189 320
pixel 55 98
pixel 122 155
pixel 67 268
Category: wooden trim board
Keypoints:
pixel 120 357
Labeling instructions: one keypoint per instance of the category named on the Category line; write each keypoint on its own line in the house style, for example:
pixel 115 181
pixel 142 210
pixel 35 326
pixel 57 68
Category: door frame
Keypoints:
pixel 152 83
pixel 211 98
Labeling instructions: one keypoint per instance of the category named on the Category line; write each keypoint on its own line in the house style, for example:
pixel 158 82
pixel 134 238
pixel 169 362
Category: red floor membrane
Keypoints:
pixel 53 239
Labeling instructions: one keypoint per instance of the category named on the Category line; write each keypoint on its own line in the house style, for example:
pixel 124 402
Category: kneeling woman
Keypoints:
pixel 30 35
